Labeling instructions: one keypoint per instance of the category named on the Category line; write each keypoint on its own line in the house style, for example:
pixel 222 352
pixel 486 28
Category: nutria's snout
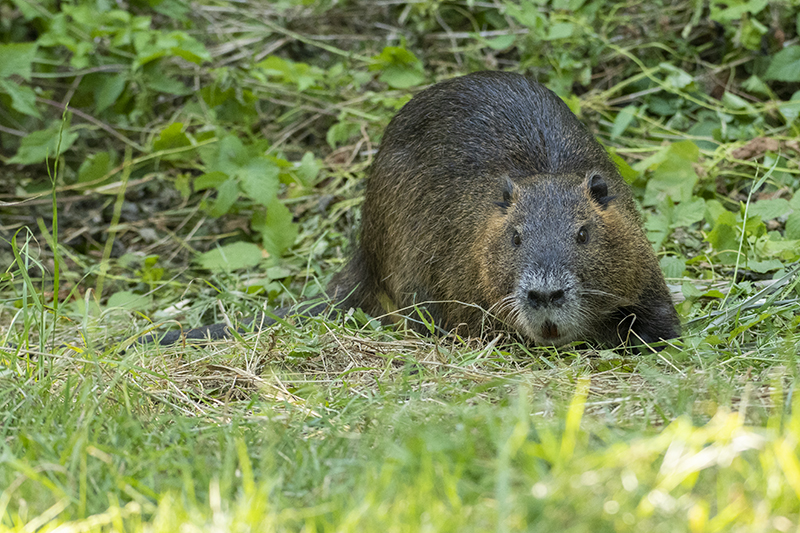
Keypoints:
pixel 546 298
pixel 549 306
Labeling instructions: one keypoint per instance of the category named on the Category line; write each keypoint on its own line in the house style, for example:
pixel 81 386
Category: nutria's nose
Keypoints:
pixel 544 299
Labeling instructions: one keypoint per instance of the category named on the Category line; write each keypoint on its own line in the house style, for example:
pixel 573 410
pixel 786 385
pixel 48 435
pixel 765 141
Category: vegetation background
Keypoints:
pixel 167 162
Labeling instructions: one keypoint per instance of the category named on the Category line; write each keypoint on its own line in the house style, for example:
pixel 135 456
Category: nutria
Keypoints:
pixel 488 197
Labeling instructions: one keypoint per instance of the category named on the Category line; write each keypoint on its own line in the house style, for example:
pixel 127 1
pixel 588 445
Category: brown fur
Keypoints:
pixel 461 167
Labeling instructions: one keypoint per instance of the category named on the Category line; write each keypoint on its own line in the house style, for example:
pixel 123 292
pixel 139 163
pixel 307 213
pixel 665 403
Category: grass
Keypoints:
pixel 342 424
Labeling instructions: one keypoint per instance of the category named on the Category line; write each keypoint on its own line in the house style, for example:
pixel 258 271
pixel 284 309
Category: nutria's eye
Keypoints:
pixel 583 235
pixel 516 239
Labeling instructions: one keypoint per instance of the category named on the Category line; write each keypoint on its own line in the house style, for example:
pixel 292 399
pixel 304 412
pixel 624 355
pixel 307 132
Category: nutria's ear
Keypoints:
pixel 599 190
pixel 509 194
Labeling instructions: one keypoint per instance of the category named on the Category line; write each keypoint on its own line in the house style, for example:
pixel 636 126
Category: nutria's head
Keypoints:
pixel 559 256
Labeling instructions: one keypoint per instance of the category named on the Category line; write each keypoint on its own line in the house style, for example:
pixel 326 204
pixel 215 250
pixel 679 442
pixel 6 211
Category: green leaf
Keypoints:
pixel 108 90
pixel 560 30
pixel 769 209
pixel 735 102
pixel 23 99
pixel 764 266
pixel 401 77
pixel 785 65
pixel 231 257
pixel 308 169
pixel 171 137
pixel 755 85
pixel 726 11
pixel 227 155
pixel 793 226
pixel 17 59
pixel 676 77
pixel 39 145
pixel 151 46
pixel 168 85
pixel 791 109
pixel 526 13
pixel 401 69
pixel 277 230
pixel 95 167
pixel 301 74
pixel 259 181
pixel 341 132
pixel 500 42
pixel 687 213
pixel 623 120
pixel 751 33
pixel 674 177
pixel 672 266
pixel 210 180
pixel 724 235
pixel 127 300
pixel 227 194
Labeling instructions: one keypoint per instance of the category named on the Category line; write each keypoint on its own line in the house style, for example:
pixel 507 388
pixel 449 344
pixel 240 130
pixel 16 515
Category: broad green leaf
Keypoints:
pixel 726 11
pixel 756 85
pixel 227 193
pixel 151 46
pixel 623 120
pixel 793 226
pixel 259 181
pixel 401 69
pixel 500 42
pixel 560 30
pixel 674 177
pixel 301 74
pixel 764 266
pixel 724 235
pixel 751 33
pixel 672 266
pixel 168 85
pixel 689 212
pixel 17 59
pixel 23 99
pixel 658 228
pixel 526 13
pixel 791 109
pixel 573 103
pixel 625 170
pixel 95 167
pixel 769 209
pixel 733 101
pixel 341 132
pixel 228 155
pixel 308 169
pixel 786 249
pixel 127 300
pixel 171 137
pixel 676 77
pixel 108 90
pixel 714 209
pixel 785 65
pixel 39 145
pixel 210 180
pixel 277 230
pixel 231 257
pixel 401 77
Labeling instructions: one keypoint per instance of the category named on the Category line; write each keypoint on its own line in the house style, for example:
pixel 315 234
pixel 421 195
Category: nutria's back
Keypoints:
pixel 488 193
